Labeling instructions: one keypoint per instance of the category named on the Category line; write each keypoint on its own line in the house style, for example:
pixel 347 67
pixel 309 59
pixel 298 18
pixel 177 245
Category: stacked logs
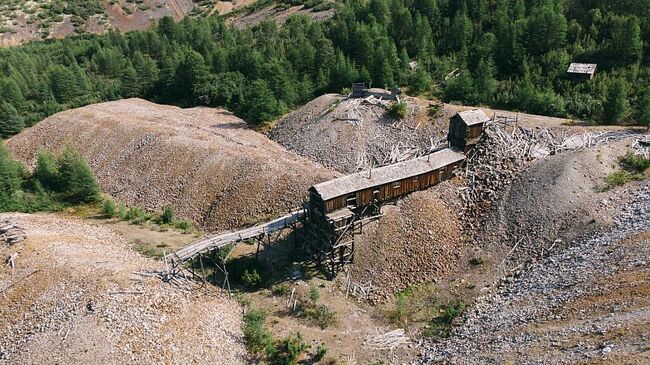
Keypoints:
pixel 11 233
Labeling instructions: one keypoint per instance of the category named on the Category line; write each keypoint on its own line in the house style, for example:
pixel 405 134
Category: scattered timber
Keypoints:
pixel 11 233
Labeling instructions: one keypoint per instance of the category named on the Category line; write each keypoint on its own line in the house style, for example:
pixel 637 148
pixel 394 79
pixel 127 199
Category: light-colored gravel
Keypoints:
pixel 74 298
pixel 589 303
pixel 205 162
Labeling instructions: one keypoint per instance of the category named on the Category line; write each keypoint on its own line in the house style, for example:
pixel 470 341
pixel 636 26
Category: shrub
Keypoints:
pixel 251 279
pixel 321 315
pixel 321 351
pixel 620 178
pixel 314 294
pixel 167 215
pixel 133 214
pixel 477 261
pixel 289 350
pixel 280 290
pixel 398 110
pixel 121 212
pixel 109 209
pixel 257 337
pixel 632 162
pixel 441 325
pixel 346 91
pixel 184 225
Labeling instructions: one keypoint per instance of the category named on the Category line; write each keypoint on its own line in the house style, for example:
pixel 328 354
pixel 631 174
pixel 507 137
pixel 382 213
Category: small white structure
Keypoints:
pixel 583 70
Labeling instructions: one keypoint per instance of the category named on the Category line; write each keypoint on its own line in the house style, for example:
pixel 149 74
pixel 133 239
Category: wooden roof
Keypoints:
pixel 384 175
pixel 472 117
pixel 582 68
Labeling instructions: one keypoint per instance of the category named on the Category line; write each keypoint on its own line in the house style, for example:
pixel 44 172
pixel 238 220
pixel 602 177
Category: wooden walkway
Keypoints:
pixel 221 240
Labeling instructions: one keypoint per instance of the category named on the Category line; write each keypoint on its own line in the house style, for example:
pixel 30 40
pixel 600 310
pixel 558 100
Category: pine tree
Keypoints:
pixel 616 103
pixel 485 81
pixel 77 184
pixel 260 105
pixel 644 109
pixel 10 122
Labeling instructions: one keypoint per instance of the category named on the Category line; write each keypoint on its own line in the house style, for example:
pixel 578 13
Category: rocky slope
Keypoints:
pixel 205 162
pixel 586 304
pixel 77 294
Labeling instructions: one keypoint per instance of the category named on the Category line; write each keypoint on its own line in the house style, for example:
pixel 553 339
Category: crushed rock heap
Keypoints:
pixel 205 162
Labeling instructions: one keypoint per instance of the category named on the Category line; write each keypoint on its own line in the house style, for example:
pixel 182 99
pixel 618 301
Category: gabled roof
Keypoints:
pixel 384 175
pixel 582 68
pixel 472 117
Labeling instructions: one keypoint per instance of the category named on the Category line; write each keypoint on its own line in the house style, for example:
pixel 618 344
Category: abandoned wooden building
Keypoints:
pixel 359 90
pixel 582 71
pixel 465 129
pixel 337 209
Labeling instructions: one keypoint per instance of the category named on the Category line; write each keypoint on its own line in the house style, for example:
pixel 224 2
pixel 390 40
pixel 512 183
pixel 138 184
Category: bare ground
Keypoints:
pixel 585 304
pixel 205 162
pixel 74 296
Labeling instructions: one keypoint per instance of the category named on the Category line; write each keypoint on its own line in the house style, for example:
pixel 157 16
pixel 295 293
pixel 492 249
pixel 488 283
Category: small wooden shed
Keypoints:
pixel 582 71
pixel 382 184
pixel 465 129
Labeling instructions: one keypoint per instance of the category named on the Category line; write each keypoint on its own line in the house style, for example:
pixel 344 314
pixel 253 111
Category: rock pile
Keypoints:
pixel 415 241
pixel 588 303
pixel 79 295
pixel 204 162
pixel 349 135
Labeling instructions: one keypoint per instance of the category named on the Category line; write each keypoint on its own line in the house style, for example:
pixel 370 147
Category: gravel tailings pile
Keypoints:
pixel 553 201
pixel 415 241
pixel 587 304
pixel 75 296
pixel 204 162
pixel 343 135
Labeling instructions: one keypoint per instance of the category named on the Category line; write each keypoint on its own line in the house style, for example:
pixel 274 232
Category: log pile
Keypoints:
pixel 388 341
pixel 11 233
pixel 641 147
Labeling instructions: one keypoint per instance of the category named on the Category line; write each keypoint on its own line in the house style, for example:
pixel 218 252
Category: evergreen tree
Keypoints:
pixel 485 81
pixel 260 104
pixel 644 108
pixel 420 81
pixel 10 122
pixel 616 103
pixel 77 184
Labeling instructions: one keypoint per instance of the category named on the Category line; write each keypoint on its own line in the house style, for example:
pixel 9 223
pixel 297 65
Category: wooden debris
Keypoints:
pixel 388 341
pixel 11 233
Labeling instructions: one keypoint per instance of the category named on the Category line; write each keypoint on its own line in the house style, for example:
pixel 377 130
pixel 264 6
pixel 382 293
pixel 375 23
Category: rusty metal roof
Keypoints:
pixel 582 68
pixel 384 175
pixel 472 117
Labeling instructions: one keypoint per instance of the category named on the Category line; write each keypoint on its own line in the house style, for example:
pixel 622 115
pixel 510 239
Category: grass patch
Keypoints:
pixel 637 163
pixel 633 168
pixel 620 178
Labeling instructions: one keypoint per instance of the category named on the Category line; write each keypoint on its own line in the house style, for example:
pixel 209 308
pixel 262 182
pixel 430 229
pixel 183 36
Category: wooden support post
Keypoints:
pixel 205 284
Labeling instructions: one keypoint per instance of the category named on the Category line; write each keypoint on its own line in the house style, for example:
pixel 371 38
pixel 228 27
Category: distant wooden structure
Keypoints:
pixel 465 129
pixel 337 209
pixel 359 90
pixel 582 71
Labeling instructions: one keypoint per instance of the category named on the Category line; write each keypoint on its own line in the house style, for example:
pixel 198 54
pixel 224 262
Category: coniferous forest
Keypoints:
pixel 510 54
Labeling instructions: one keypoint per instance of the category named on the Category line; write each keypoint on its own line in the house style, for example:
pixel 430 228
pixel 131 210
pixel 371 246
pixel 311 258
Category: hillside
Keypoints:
pixel 78 294
pixel 204 162
pixel 21 22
